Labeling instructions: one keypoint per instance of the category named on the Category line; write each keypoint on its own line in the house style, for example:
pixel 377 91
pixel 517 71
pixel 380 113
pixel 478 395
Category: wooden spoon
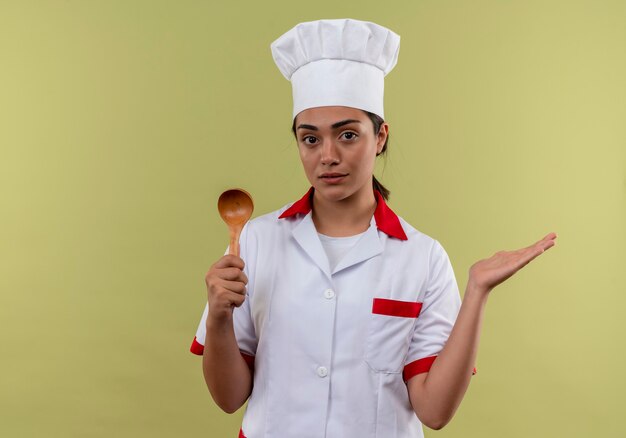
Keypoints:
pixel 235 207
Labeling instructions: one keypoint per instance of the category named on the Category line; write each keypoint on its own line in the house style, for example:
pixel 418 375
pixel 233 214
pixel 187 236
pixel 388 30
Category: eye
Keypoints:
pixel 309 140
pixel 349 135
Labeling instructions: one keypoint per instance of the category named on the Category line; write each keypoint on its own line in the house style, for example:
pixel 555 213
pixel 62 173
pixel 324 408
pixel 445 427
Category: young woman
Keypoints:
pixel 340 319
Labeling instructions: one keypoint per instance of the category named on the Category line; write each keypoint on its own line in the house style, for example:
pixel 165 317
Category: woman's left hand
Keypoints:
pixel 486 274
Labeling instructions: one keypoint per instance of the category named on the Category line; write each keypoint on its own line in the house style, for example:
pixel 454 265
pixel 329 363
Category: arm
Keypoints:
pixel 226 373
pixel 436 395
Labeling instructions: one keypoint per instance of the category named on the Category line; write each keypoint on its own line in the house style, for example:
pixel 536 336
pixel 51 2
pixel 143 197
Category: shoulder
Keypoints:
pixel 420 248
pixel 426 249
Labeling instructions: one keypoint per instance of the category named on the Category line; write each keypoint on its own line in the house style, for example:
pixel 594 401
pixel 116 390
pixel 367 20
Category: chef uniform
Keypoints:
pixel 332 347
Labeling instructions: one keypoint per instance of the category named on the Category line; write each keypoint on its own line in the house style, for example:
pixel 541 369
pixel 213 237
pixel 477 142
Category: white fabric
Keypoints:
pixel 337 62
pixel 336 247
pixel 325 364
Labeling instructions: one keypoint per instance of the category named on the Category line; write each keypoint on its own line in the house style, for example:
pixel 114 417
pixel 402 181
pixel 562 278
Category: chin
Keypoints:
pixel 334 193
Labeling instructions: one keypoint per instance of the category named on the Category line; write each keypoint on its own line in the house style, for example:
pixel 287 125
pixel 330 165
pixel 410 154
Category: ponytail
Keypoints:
pixel 384 191
pixel 377 121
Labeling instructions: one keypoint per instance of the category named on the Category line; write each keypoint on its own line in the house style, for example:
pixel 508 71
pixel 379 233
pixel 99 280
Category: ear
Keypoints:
pixel 381 137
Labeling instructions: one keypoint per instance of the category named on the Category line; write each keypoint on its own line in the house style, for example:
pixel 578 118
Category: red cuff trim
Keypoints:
pixel 421 366
pixel 405 309
pixel 249 360
pixel 241 435
pixel 196 347
pixel 417 367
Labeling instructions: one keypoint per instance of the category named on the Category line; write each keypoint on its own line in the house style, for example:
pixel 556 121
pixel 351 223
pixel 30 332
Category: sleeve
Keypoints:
pixel 440 307
pixel 245 332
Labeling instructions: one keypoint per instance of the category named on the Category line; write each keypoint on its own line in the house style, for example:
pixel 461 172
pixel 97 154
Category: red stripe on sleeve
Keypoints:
pixel 405 309
pixel 421 366
pixel 417 367
pixel 196 347
pixel 249 360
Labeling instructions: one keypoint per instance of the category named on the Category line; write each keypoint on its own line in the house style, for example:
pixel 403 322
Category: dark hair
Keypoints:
pixel 377 121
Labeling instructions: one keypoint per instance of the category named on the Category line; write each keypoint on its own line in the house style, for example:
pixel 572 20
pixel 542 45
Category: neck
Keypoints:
pixel 345 217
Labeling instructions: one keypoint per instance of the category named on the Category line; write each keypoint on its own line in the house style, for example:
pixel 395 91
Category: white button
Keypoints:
pixel 329 294
pixel 322 371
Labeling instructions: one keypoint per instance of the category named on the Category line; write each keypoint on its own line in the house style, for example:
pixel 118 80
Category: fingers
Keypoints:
pixel 235 299
pixel 222 306
pixel 226 287
pixel 547 242
pixel 232 274
pixel 489 273
pixel 234 286
pixel 231 279
pixel 550 236
pixel 226 270
pixel 528 254
pixel 229 261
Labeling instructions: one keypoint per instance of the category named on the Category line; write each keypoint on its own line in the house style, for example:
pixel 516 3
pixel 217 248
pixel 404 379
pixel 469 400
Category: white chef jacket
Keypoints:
pixel 331 350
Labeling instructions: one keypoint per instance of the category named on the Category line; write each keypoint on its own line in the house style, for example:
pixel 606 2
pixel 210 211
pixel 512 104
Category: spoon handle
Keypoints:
pixel 233 248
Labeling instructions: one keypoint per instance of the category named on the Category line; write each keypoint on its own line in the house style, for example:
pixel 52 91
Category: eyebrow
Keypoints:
pixel 334 125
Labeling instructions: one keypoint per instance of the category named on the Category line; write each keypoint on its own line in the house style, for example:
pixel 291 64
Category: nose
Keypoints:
pixel 330 153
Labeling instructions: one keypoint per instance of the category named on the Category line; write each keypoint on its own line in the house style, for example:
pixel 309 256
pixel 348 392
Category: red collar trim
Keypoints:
pixel 386 220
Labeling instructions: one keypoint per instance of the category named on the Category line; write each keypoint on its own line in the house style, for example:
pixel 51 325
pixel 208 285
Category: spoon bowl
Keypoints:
pixel 235 207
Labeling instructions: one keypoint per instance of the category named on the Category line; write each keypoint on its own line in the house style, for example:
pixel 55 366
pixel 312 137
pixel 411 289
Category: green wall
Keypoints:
pixel 122 121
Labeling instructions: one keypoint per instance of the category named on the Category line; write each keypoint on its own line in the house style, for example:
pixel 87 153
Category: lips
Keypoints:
pixel 333 177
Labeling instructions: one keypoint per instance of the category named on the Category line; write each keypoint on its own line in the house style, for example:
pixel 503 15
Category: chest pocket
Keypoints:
pixel 389 333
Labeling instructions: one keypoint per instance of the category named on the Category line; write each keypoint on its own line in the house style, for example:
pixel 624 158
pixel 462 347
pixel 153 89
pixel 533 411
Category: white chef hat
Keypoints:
pixel 339 62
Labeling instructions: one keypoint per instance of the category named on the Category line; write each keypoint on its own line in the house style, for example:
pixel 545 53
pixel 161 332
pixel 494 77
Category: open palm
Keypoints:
pixel 488 273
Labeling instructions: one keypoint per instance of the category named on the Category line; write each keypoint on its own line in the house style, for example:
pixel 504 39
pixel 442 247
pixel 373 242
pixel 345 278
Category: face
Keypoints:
pixel 338 149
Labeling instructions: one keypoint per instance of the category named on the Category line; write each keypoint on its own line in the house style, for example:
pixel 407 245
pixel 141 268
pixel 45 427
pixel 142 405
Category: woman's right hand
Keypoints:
pixel 226 287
